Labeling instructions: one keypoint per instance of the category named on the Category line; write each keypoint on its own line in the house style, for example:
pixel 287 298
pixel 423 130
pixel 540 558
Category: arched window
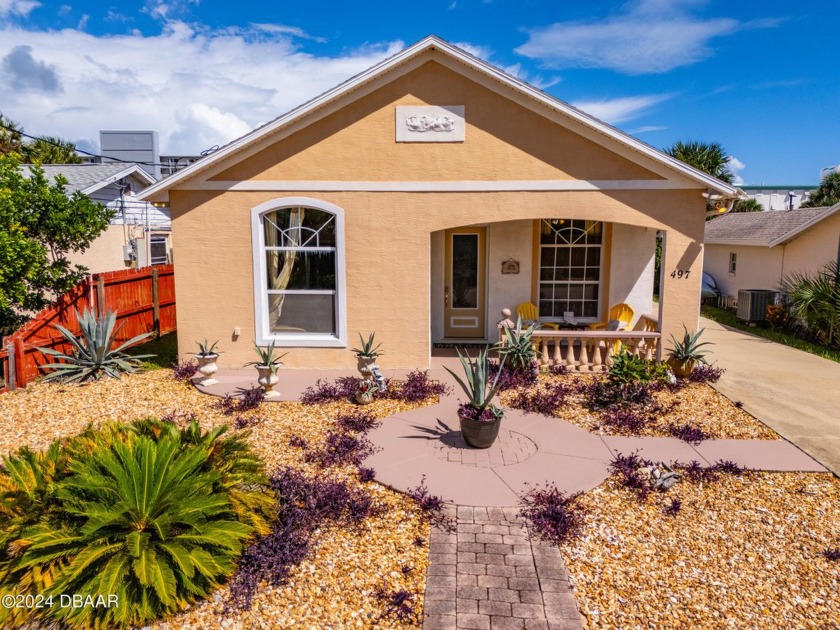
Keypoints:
pixel 299 272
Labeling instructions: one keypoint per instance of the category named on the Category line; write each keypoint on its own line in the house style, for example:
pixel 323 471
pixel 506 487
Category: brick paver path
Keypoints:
pixel 490 574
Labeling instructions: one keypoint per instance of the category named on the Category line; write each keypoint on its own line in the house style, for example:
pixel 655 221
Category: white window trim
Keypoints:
pixel 261 319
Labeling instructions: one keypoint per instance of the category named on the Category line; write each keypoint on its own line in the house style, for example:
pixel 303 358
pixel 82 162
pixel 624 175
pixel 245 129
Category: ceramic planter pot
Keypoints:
pixel 364 397
pixel 477 433
pixel 680 369
pixel 268 379
pixel 207 368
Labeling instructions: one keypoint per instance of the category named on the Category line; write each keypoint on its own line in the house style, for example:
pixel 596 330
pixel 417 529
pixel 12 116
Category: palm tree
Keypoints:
pixel 51 150
pixel 709 158
pixel 827 194
pixel 10 135
pixel 815 300
pixel 747 205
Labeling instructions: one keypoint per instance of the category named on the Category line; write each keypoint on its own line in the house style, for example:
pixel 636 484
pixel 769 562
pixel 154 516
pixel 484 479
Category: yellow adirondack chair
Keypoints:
pixel 530 315
pixel 621 313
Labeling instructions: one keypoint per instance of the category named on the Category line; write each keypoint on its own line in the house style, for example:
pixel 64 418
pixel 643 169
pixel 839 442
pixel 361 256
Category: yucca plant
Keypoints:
pixel 93 356
pixel 206 349
pixel 686 354
pixel 518 348
pixel 478 387
pixel 367 350
pixel 151 513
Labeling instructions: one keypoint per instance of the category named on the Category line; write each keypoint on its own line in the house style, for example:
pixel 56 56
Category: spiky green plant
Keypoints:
pixel 206 349
pixel 93 355
pixel 154 514
pixel 815 300
pixel 688 350
pixel 518 348
pixel 478 388
pixel 367 350
pixel 267 357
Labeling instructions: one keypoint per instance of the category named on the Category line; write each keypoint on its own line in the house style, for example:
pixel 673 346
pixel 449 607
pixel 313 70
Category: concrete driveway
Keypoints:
pixel 795 393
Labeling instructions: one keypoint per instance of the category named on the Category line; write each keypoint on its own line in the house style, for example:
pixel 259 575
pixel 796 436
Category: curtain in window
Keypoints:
pixel 279 278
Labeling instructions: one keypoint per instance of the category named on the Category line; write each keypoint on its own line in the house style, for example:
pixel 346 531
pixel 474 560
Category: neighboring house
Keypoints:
pixel 756 250
pixel 418 200
pixel 779 197
pixel 139 234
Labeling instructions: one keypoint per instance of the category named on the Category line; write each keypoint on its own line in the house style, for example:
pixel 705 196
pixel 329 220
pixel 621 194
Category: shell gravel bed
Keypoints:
pixel 742 552
pixel 335 587
pixel 696 404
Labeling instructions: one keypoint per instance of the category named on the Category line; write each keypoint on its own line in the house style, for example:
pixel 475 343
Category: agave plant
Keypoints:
pixel 478 388
pixel 267 357
pixel 206 349
pixel 146 519
pixel 93 356
pixel 517 348
pixel 367 350
pixel 685 354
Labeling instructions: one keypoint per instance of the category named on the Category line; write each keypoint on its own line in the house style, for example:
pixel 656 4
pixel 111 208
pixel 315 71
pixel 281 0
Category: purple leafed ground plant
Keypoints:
pixel 831 553
pixel 674 508
pixel 511 377
pixel 325 391
pixel 303 506
pixel 706 374
pixel 416 387
pixel 624 419
pixel 184 371
pixel 431 505
pixel 627 468
pixel 553 514
pixel 544 400
pixel 688 433
pixel 341 448
pixel 250 399
pixel 398 604
pixel 358 421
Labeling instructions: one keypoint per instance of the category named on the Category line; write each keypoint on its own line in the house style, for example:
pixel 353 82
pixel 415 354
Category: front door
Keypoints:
pixel 465 283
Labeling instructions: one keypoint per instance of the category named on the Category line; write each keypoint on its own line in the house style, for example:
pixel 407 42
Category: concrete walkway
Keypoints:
pixel 795 393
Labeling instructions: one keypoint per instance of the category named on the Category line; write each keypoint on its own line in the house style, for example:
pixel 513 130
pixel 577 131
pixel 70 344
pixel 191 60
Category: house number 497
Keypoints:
pixel 680 273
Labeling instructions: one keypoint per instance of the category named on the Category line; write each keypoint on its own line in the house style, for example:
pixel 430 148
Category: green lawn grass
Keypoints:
pixel 728 318
pixel 165 349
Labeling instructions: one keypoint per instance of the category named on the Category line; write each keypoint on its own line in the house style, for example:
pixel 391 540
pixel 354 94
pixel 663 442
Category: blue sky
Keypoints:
pixel 761 78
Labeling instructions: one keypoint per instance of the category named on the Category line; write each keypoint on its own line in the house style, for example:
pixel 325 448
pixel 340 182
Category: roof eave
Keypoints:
pixel 132 169
pixel 805 226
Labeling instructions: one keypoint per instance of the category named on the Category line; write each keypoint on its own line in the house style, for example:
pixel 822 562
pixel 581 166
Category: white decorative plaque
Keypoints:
pixel 430 123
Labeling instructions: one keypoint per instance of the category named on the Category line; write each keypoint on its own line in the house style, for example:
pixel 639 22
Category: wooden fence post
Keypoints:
pixel 20 363
pixel 155 303
pixel 100 295
pixel 11 373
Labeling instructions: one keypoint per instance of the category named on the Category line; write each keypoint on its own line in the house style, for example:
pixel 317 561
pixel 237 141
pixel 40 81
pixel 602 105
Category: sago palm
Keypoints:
pixel 143 520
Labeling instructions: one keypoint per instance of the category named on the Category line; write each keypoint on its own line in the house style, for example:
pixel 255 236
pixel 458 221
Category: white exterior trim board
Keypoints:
pixel 436 186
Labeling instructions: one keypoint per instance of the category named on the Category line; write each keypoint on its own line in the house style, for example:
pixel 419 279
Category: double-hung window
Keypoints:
pixel 570 268
pixel 299 279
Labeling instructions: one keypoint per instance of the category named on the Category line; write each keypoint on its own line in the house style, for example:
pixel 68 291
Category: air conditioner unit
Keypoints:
pixel 752 304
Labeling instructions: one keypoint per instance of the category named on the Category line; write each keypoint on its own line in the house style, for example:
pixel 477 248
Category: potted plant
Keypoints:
pixel 267 368
pixel 366 356
pixel 206 357
pixel 517 348
pixel 480 419
pixel 686 354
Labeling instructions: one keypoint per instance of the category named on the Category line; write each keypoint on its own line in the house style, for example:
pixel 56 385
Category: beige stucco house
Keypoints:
pixel 139 235
pixel 418 200
pixel 756 250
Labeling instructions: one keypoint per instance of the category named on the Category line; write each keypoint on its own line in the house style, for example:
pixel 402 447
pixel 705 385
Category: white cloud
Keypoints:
pixel 616 110
pixel 20 8
pixel 197 87
pixel 736 166
pixel 645 36
pixel 646 129
pixel 538 81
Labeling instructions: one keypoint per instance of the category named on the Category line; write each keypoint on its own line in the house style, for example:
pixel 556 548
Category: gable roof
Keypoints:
pixel 88 178
pixel 431 44
pixel 764 229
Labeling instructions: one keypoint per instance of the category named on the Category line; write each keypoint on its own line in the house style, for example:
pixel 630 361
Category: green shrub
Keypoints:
pixel 629 368
pixel 517 349
pixel 815 301
pixel 154 514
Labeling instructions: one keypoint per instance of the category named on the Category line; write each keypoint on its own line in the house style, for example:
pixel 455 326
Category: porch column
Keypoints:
pixel 679 292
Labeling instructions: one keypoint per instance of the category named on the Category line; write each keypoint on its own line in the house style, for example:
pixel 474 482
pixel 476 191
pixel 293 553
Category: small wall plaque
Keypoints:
pixel 430 123
pixel 510 266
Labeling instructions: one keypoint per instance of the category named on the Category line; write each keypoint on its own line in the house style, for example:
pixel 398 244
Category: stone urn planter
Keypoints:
pixel 479 429
pixel 207 368
pixel 681 369
pixel 267 378
pixel 366 366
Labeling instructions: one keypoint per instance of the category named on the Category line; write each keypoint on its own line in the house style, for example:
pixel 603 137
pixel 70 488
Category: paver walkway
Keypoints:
pixel 491 574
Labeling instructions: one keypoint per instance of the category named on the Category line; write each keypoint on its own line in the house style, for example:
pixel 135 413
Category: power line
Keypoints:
pixel 96 155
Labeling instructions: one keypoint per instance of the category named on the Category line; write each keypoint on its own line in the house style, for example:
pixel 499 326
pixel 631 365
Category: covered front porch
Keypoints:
pixel 565 275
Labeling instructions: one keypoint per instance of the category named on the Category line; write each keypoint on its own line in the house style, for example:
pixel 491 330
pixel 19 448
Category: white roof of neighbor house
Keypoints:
pixel 88 178
pixel 432 43
pixel 765 229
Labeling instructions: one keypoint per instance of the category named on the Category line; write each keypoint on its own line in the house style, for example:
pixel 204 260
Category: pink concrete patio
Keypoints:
pixel 531 449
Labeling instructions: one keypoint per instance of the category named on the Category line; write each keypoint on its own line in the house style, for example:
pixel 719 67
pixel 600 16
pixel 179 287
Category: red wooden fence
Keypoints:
pixel 143 299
